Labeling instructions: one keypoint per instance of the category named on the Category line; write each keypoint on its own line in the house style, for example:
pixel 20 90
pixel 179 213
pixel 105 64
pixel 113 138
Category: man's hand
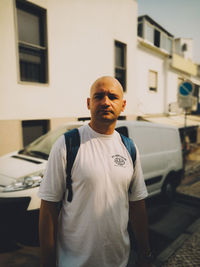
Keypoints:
pixel 48 232
pixel 139 226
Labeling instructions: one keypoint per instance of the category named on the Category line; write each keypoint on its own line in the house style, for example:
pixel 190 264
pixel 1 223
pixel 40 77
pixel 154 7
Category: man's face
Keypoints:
pixel 106 100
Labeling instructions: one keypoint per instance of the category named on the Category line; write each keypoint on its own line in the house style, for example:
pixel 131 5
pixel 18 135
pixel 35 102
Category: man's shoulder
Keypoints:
pixel 122 136
pixel 75 131
pixel 59 144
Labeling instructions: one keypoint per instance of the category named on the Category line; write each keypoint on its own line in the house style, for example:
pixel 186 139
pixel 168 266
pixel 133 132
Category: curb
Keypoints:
pixel 170 250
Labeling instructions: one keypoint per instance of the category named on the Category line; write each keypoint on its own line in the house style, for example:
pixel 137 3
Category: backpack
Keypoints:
pixel 72 141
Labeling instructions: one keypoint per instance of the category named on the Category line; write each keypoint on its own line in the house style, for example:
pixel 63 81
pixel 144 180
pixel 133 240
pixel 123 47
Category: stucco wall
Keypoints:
pixel 11 136
pixel 150 102
pixel 81 38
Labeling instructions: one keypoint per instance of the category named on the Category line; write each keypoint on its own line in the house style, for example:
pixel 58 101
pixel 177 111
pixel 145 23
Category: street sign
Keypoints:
pixel 185 98
pixel 185 102
pixel 185 88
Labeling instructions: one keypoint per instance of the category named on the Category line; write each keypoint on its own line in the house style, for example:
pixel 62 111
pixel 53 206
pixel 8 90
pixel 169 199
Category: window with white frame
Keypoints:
pixel 164 41
pixel 153 81
pixel 32 42
pixel 120 63
pixel 155 35
pixel 149 33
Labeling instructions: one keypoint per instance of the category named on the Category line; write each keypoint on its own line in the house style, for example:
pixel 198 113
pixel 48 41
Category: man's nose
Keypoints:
pixel 106 101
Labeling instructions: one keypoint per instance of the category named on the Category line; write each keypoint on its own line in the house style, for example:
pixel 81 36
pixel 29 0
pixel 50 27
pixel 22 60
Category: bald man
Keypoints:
pixel 91 230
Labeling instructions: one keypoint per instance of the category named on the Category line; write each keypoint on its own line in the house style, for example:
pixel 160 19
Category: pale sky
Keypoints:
pixel 179 17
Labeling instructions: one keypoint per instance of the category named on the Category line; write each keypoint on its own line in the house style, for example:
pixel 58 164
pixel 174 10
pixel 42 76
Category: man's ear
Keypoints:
pixel 123 105
pixel 88 103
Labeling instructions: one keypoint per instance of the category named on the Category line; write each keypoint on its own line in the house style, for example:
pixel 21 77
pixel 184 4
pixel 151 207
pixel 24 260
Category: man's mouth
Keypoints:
pixel 106 111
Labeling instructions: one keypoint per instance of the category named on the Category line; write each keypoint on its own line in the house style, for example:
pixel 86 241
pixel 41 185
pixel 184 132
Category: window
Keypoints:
pixel 32 42
pixel 156 38
pixel 140 29
pixel 153 80
pixel 120 63
pixel 184 47
pixel 149 33
pixel 163 41
pixel 169 45
pixel 152 34
pixel 33 129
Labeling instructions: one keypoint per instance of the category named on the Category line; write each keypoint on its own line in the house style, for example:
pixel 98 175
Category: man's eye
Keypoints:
pixel 112 97
pixel 98 96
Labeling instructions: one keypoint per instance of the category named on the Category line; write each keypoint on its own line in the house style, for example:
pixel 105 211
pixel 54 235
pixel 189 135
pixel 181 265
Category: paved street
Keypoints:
pixel 185 250
pixel 20 256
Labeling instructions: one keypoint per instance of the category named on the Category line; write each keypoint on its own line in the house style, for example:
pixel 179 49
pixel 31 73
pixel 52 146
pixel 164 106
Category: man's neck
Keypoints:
pixel 103 128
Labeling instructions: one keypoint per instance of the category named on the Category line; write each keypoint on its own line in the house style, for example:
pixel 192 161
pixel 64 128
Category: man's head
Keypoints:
pixel 106 100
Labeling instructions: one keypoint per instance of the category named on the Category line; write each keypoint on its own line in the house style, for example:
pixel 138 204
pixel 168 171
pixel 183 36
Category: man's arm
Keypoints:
pixel 139 226
pixel 47 232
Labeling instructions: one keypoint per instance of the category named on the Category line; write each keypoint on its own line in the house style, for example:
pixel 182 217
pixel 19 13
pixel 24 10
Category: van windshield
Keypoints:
pixel 41 147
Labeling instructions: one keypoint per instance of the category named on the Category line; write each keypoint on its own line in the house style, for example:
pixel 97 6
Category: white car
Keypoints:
pixel 21 171
pixel 20 175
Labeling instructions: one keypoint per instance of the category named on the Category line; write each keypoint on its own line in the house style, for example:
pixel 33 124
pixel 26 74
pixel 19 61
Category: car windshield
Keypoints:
pixel 41 147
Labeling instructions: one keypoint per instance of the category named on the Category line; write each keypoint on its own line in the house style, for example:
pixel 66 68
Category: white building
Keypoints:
pixel 163 63
pixel 51 52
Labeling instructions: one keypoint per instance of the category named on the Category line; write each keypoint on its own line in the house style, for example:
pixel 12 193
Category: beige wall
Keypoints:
pixel 183 64
pixel 10 136
pixel 56 122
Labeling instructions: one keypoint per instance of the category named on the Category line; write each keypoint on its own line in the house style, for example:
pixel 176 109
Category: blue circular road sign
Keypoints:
pixel 186 88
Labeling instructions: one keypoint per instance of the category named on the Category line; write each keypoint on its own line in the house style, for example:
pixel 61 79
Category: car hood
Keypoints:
pixel 15 166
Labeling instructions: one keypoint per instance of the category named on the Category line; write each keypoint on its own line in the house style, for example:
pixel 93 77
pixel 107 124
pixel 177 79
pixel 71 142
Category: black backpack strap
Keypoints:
pixel 72 141
pixel 131 149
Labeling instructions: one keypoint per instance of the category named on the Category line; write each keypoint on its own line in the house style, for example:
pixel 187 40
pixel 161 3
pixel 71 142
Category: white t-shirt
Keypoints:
pixel 92 228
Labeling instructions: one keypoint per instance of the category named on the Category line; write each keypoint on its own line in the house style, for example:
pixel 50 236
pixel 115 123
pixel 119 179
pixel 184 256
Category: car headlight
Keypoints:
pixel 25 183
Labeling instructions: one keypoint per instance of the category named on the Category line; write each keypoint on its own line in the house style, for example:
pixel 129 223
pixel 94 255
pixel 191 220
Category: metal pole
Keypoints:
pixel 184 141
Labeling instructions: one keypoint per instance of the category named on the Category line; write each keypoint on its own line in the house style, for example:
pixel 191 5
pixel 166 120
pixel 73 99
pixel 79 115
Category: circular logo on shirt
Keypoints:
pixel 119 160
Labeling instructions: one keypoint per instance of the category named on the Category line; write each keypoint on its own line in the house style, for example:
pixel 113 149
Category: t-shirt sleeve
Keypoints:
pixel 138 187
pixel 53 184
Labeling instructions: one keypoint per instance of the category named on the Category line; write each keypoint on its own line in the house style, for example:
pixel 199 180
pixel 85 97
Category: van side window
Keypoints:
pixel 122 130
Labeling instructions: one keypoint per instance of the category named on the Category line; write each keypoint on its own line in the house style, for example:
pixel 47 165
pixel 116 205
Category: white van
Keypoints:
pixel 161 154
pixel 21 171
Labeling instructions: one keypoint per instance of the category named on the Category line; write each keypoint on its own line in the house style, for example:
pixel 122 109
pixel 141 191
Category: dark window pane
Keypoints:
pixel 196 90
pixel 32 65
pixel 28 27
pixel 156 38
pixel 120 75
pixel 120 63
pixel 184 47
pixel 33 129
pixel 119 56
pixel 140 29
pixel 152 89
pixel 29 72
